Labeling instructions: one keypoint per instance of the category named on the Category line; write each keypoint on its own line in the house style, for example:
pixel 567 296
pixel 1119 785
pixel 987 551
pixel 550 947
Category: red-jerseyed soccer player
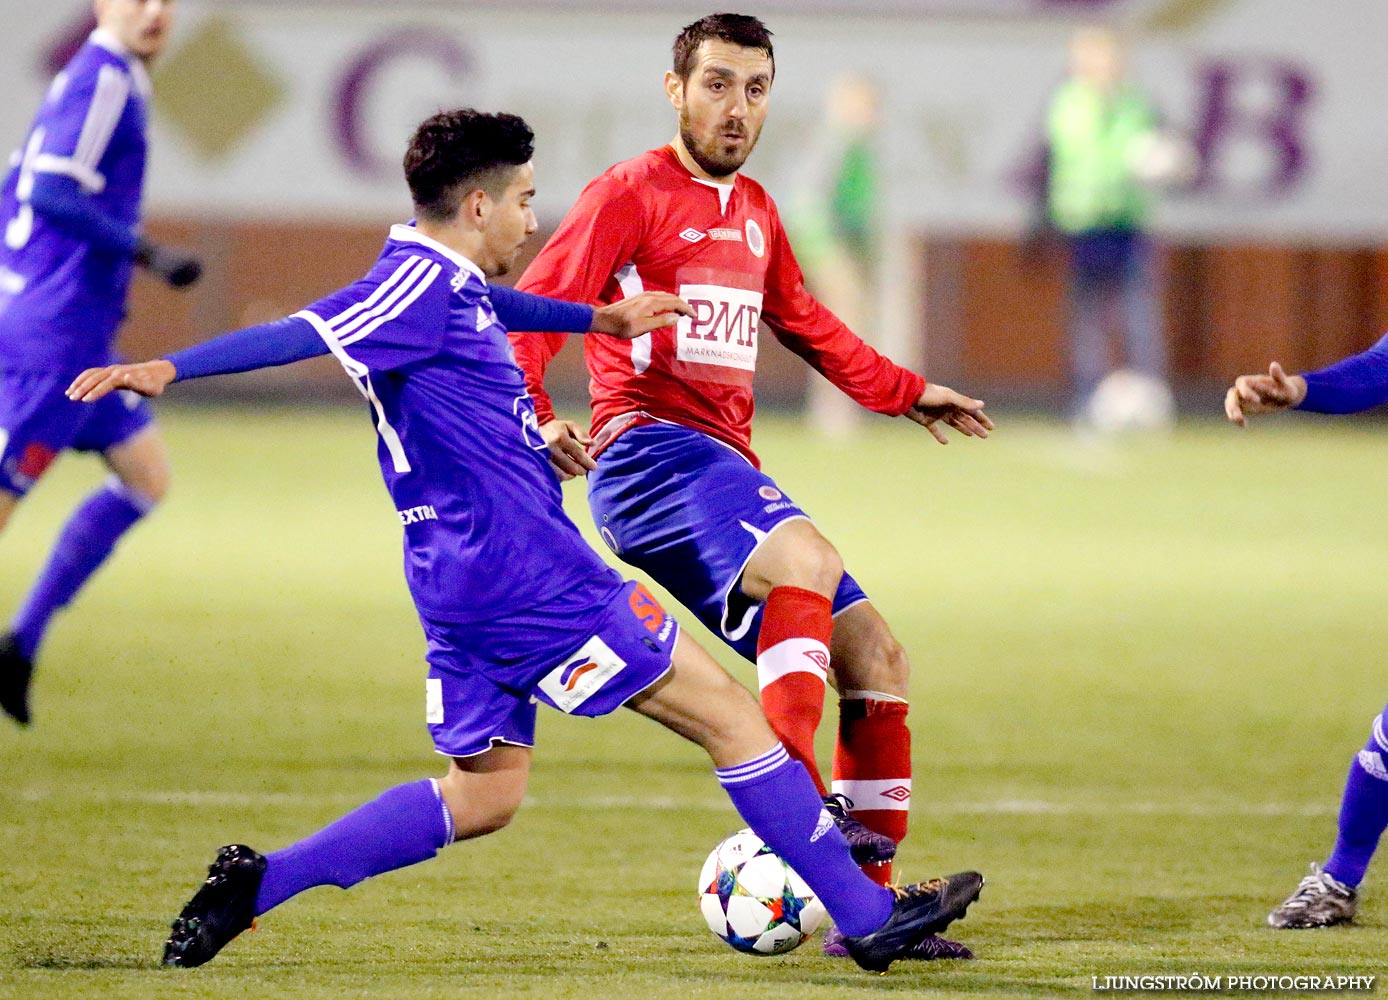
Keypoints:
pixel 673 483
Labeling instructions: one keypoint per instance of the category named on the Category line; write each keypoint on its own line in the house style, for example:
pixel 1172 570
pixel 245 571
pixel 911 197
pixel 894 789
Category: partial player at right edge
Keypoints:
pixel 1330 893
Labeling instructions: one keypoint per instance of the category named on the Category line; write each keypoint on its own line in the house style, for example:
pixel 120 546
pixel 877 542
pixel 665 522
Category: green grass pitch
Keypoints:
pixel 1140 673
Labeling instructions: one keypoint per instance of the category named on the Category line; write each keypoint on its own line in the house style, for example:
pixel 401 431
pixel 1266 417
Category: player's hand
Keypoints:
pixel 1253 394
pixel 177 268
pixel 940 404
pixel 568 448
pixel 148 379
pixel 628 319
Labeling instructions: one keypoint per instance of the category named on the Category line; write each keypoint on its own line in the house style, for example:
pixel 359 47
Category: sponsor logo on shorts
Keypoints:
pixel 610 539
pixel 756 242
pixel 582 675
pixel 413 515
pixel 731 235
pixel 769 493
pixel 772 508
pixel 691 235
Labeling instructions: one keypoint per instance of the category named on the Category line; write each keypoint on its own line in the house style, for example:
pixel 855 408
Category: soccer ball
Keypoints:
pixel 1130 401
pixel 753 900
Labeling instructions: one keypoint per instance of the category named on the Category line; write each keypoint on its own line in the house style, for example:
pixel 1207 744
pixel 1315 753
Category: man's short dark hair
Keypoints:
pixel 738 29
pixel 455 152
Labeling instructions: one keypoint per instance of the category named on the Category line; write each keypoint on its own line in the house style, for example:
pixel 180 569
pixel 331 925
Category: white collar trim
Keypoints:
pixel 725 191
pixel 409 234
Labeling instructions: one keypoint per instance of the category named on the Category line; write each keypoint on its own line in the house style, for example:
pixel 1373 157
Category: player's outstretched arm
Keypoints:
pixel 1358 382
pixel 265 346
pixel 630 318
pixel 940 404
pixel 1254 394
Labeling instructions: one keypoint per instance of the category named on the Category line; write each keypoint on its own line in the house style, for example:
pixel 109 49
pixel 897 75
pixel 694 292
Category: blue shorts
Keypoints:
pixel 690 511
pixel 38 422
pixel 586 653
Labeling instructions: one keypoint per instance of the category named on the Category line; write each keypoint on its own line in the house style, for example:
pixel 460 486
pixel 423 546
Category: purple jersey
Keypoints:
pixel 460 447
pixel 62 299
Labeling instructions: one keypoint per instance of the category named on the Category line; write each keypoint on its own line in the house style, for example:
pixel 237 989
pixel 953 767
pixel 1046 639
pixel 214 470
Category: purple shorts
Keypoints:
pixel 586 653
pixel 38 423
pixel 691 511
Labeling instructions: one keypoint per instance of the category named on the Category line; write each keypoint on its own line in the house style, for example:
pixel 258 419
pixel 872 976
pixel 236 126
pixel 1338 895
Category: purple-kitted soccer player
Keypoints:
pixel 70 212
pixel 1329 894
pixel 515 606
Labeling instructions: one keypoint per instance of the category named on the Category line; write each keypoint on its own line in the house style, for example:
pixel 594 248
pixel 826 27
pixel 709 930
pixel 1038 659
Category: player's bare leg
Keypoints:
pixel 699 701
pixel 484 792
pixel 142 464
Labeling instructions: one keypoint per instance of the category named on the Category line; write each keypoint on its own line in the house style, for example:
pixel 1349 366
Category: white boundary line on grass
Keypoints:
pixel 999 807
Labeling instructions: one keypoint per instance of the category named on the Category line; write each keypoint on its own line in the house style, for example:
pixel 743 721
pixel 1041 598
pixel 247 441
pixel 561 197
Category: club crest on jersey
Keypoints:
pixel 691 235
pixel 756 242
pixel 582 675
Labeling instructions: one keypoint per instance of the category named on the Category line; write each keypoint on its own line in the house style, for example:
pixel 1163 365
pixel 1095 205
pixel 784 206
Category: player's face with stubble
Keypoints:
pixel 723 105
pixel 512 221
pixel 142 26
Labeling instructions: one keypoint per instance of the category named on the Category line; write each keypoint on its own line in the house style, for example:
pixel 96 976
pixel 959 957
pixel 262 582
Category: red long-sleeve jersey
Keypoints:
pixel 648 225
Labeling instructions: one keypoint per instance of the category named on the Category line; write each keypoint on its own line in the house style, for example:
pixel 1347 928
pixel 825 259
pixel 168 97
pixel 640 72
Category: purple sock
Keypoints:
pixel 403 827
pixel 776 797
pixel 87 539
pixel 1363 810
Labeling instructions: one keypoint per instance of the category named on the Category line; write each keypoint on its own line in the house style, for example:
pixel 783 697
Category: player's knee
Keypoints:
pixel 152 487
pixel 801 559
pixel 738 728
pixel 878 663
pixel 477 816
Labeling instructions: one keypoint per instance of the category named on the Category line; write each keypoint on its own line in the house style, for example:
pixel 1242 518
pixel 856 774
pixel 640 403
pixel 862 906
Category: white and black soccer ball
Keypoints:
pixel 753 900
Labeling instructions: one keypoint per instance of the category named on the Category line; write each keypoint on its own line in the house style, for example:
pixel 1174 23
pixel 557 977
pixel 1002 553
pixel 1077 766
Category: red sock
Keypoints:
pixel 872 766
pixel 792 669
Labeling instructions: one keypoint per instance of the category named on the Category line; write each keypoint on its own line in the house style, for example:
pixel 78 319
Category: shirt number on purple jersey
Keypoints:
pixel 21 227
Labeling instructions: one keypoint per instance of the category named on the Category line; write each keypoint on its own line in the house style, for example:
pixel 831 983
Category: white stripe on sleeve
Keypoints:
pixel 397 303
pixel 346 320
pixel 108 104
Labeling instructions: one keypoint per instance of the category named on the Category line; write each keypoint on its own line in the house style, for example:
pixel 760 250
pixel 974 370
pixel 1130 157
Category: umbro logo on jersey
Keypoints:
pixel 413 515
pixel 692 235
